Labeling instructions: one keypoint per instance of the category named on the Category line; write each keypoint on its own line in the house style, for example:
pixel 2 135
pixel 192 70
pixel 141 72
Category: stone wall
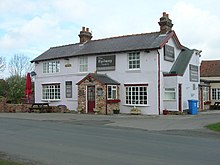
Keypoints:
pixel 82 98
pixel 100 102
pixel 100 97
pixel 5 107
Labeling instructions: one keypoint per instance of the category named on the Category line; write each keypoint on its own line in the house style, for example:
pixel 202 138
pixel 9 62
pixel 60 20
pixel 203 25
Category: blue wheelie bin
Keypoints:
pixel 193 108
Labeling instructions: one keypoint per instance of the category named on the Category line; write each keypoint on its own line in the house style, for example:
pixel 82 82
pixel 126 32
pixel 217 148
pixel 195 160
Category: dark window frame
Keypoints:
pixel 69 89
pixel 169 53
pixel 193 73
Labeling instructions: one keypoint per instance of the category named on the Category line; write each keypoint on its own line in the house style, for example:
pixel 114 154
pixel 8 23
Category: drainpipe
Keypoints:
pixel 158 74
pixel 106 103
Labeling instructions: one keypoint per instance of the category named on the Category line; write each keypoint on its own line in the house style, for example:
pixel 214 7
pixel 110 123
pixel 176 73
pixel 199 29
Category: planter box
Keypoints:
pixel 116 111
pixel 113 101
pixel 135 111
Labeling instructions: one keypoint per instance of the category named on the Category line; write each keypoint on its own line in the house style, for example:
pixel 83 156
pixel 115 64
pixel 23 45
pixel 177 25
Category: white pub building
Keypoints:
pixel 150 71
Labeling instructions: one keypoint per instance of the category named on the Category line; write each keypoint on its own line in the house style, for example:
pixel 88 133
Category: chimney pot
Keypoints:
pixel 164 14
pixel 87 29
pixel 83 28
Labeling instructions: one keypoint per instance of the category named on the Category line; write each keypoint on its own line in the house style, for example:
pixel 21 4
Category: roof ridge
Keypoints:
pixel 64 45
pixel 128 35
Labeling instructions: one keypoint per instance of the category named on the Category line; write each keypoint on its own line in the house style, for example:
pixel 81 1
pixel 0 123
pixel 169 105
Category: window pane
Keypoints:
pixel 83 64
pixel 136 95
pixel 169 94
pixel 214 94
pixel 112 92
pixel 134 60
pixel 51 67
pixel 51 92
pixel 68 89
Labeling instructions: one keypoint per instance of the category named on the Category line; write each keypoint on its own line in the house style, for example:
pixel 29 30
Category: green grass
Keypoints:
pixel 8 162
pixel 214 127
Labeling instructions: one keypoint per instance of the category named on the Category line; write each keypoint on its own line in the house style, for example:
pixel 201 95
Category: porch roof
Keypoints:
pixel 102 78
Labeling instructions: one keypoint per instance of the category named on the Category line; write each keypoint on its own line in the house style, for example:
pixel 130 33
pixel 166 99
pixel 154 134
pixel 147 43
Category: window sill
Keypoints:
pixel 170 100
pixel 136 105
pixel 133 71
pixel 51 100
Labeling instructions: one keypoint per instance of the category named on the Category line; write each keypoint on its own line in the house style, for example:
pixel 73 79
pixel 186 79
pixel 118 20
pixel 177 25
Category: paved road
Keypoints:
pixel 155 123
pixel 75 142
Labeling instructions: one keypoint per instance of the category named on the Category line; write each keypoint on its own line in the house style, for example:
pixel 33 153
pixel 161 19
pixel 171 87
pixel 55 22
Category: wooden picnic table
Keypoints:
pixel 41 107
pixel 216 105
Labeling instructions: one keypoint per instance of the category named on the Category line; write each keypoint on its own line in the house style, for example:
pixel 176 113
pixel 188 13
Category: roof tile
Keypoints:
pixel 144 41
pixel 210 68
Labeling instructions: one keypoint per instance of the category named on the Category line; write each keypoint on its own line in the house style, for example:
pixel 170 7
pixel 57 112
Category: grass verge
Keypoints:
pixel 8 162
pixel 214 127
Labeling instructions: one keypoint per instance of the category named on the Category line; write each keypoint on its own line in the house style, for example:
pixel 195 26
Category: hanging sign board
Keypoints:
pixel 105 63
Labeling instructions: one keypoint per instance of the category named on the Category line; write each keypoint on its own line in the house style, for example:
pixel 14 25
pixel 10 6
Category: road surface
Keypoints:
pixel 93 143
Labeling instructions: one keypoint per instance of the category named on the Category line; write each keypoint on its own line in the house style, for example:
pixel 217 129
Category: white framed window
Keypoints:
pixel 136 95
pixel 169 94
pixel 205 93
pixel 215 93
pixel 193 71
pixel 69 87
pixel 51 67
pixel 51 91
pixel 134 60
pixel 83 64
pixel 112 92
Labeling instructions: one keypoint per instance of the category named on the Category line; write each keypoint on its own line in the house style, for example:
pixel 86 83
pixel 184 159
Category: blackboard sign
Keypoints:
pixel 168 53
pixel 105 63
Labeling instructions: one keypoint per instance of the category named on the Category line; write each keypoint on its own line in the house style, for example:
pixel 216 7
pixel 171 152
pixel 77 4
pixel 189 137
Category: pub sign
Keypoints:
pixel 105 63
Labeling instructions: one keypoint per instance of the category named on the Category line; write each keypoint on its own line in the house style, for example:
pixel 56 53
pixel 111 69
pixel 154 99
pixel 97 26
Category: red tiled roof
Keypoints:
pixel 210 68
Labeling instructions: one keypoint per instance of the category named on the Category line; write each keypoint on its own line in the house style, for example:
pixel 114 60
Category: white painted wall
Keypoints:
pixel 170 82
pixel 146 75
pixel 188 93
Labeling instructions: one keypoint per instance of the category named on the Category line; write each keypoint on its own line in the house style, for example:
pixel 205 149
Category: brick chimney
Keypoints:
pixel 165 23
pixel 85 35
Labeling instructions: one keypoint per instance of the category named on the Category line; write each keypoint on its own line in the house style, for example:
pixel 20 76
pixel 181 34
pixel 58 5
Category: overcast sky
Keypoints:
pixel 30 27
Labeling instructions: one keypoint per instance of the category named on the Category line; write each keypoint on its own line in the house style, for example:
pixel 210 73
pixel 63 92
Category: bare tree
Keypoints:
pixel 2 64
pixel 19 65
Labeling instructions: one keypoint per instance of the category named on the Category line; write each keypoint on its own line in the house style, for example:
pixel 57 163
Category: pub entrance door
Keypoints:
pixel 90 98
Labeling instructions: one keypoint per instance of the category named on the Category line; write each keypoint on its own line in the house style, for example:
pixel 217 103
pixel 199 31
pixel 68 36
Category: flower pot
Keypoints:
pixel 165 112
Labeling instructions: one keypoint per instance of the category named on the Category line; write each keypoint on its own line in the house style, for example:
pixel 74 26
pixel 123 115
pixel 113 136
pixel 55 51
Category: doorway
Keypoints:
pixel 90 98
